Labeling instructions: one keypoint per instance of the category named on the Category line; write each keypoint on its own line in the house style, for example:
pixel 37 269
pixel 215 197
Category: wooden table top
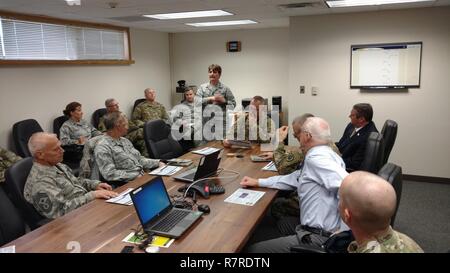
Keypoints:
pixel 100 226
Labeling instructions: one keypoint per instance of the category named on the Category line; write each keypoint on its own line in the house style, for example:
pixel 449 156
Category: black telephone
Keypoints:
pixel 200 189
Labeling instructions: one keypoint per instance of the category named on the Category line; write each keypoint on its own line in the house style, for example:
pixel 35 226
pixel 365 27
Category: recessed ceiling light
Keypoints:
pixel 222 23
pixel 73 2
pixel 354 3
pixel 191 14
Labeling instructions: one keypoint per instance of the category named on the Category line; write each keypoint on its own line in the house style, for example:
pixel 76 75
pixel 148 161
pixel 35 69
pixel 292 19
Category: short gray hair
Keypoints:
pixel 112 119
pixel 318 128
pixel 37 142
pixel 299 120
pixel 108 101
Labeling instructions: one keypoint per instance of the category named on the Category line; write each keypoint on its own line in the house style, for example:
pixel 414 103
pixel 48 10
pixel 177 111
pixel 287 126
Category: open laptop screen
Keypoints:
pixel 151 200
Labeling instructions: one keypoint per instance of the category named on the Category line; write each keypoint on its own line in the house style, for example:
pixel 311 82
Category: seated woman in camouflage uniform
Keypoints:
pixel 76 130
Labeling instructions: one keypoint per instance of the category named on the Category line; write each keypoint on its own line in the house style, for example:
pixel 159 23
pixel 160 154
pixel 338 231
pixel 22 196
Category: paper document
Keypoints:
pixel 245 197
pixel 270 167
pixel 123 198
pixel 157 240
pixel 206 151
pixel 166 170
pixel 8 249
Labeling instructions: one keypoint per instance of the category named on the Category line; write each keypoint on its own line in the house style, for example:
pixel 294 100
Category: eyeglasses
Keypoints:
pixel 113 105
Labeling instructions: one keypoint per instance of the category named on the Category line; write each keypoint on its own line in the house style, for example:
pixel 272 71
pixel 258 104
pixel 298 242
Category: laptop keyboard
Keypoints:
pixel 174 217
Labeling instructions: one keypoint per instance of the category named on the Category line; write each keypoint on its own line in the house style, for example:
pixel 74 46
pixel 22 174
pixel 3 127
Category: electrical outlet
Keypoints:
pixel 302 89
pixel 314 90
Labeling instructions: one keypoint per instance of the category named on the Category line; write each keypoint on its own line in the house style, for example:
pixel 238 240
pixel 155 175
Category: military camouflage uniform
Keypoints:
pixel 286 163
pixel 101 123
pixel 118 160
pixel 144 111
pixel 247 128
pixel 54 190
pixel 7 158
pixel 186 112
pixel 71 131
pixel 207 90
pixel 390 242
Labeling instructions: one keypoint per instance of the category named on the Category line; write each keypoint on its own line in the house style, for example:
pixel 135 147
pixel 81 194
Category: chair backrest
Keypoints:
pixel 374 154
pixel 16 177
pixel 12 225
pixel 393 174
pixel 159 142
pixel 58 122
pixel 389 133
pixel 136 102
pixel 97 115
pixel 22 132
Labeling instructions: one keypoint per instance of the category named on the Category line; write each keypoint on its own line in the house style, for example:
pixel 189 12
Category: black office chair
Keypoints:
pixel 389 133
pixel 159 142
pixel 97 115
pixel 22 132
pixel 58 122
pixel 393 174
pixel 374 154
pixel 12 225
pixel 16 177
pixel 136 102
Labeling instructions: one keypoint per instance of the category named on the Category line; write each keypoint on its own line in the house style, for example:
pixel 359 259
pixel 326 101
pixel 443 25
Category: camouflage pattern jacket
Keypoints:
pixel 71 131
pixel 54 190
pixel 7 158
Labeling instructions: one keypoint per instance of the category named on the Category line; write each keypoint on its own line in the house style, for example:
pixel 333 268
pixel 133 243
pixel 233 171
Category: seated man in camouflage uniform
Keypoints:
pixel 249 126
pixel 286 163
pixel 7 158
pixel 112 105
pixel 366 204
pixel 145 111
pixel 51 187
pixel 116 158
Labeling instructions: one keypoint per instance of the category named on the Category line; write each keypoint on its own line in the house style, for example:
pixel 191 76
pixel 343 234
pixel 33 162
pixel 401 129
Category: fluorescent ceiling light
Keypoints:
pixel 222 23
pixel 191 14
pixel 354 3
pixel 73 2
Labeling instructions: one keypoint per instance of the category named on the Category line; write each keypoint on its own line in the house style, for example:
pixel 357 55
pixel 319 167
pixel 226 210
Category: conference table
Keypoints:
pixel 100 226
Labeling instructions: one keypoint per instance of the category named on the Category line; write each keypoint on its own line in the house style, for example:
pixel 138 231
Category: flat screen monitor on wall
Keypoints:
pixel 382 66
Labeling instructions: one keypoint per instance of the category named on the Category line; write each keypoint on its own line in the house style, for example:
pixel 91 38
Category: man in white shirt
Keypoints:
pixel 317 182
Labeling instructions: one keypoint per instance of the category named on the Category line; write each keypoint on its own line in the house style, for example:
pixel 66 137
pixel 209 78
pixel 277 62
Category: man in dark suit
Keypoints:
pixel 353 142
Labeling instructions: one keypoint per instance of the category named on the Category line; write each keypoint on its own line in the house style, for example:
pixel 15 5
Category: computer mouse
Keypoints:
pixel 204 208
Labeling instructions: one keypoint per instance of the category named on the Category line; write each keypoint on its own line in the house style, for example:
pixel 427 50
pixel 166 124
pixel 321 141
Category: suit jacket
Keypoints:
pixel 353 148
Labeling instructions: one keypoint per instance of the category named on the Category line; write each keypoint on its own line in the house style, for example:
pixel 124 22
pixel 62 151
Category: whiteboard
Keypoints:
pixel 386 65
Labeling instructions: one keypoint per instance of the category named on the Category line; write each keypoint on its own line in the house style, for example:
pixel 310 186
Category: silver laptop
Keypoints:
pixel 156 212
pixel 207 166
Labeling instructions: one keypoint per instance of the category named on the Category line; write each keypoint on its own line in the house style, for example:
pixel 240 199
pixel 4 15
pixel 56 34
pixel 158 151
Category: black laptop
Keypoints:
pixel 207 166
pixel 156 212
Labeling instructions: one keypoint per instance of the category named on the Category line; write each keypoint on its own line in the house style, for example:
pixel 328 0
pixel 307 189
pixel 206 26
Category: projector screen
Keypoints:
pixel 382 66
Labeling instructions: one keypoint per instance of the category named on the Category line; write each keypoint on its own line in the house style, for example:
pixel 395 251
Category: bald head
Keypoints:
pixel 318 128
pixel 150 94
pixel 368 199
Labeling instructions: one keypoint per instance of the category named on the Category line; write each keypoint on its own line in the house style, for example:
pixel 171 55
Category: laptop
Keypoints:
pixel 207 166
pixel 156 212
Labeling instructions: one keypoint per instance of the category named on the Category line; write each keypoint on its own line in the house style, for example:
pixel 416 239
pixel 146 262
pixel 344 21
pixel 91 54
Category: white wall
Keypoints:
pixel 42 92
pixel 320 56
pixel 259 69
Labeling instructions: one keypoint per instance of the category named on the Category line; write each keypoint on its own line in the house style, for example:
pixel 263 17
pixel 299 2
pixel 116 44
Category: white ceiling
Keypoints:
pixel 266 12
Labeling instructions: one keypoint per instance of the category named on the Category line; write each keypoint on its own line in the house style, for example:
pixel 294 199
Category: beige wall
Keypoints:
pixel 320 56
pixel 260 68
pixel 41 92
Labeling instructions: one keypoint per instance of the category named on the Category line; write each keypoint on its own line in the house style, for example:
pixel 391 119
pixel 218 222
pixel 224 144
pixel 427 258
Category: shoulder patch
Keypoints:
pixel 42 200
